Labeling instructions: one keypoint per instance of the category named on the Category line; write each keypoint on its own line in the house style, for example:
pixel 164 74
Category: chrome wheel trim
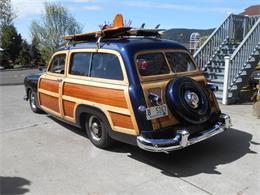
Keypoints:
pixel 95 128
pixel 33 100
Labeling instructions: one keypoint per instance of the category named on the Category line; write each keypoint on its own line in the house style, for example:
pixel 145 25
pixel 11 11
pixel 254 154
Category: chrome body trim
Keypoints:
pixel 181 140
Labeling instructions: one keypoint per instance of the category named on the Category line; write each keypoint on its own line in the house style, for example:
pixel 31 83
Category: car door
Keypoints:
pixel 50 85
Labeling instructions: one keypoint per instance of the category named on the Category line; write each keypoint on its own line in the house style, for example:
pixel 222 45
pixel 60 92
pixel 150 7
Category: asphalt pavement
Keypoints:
pixel 40 155
pixel 14 76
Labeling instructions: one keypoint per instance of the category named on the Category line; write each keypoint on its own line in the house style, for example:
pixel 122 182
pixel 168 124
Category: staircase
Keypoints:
pixel 230 54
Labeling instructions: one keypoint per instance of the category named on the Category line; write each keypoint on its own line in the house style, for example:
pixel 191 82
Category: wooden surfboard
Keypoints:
pixel 116 30
pixel 106 33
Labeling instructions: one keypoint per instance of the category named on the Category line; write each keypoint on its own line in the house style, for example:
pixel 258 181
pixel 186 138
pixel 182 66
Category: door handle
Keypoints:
pixel 59 80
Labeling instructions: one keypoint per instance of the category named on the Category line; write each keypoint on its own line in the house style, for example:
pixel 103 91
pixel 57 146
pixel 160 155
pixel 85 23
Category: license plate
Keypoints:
pixel 156 112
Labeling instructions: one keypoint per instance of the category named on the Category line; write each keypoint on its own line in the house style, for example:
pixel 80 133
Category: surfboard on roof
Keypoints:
pixel 117 29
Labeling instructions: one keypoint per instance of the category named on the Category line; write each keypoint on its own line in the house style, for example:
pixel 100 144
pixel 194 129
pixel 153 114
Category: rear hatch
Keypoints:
pixel 156 68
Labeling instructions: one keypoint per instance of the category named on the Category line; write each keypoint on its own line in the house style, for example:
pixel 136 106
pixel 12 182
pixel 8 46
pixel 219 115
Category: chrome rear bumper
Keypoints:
pixel 181 140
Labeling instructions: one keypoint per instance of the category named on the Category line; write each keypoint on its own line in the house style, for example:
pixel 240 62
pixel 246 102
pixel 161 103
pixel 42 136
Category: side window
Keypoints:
pixel 106 66
pixel 80 64
pixel 58 64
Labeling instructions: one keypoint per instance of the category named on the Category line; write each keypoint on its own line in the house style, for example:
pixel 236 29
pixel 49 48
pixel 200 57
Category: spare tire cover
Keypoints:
pixel 187 100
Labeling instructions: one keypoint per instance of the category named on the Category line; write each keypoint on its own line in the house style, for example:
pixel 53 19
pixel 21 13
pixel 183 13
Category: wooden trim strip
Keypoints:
pixel 51 111
pixel 94 82
pixel 70 119
pixel 125 130
pixel 49 93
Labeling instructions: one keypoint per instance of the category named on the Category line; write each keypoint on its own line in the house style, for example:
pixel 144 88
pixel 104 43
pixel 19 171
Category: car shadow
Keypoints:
pixel 13 185
pixel 68 126
pixel 202 157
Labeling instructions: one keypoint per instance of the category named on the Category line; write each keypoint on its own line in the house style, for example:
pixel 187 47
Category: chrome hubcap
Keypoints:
pixel 33 103
pixel 95 128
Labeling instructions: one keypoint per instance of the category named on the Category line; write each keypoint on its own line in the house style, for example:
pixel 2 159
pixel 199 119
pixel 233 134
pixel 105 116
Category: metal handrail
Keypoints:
pixel 242 54
pixel 212 34
pixel 219 37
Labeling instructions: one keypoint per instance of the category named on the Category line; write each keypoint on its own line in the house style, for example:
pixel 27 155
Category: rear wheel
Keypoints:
pixel 97 128
pixel 33 102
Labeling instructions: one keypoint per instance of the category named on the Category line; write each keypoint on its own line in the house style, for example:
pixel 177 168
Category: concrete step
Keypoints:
pixel 216 75
pixel 218 61
pixel 217 81
pixel 216 69
pixel 218 95
pixel 220 88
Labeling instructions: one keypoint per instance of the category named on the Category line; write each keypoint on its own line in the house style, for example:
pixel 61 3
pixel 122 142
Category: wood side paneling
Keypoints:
pixel 49 102
pixel 121 120
pixel 49 85
pixel 68 108
pixel 112 97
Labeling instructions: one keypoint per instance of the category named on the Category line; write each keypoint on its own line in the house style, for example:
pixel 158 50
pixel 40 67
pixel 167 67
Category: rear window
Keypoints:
pixel 152 64
pixel 106 66
pixel 180 62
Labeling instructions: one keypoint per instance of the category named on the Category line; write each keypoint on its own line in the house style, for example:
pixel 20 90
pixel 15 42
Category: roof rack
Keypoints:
pixel 117 30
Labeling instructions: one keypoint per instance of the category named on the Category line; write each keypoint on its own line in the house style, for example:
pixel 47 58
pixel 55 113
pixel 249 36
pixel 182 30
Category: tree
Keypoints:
pixel 24 54
pixel 7 14
pixel 55 23
pixel 11 43
pixel 35 52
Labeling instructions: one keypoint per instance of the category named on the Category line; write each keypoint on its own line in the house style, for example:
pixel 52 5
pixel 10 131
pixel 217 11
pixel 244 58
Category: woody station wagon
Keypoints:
pixel 129 85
